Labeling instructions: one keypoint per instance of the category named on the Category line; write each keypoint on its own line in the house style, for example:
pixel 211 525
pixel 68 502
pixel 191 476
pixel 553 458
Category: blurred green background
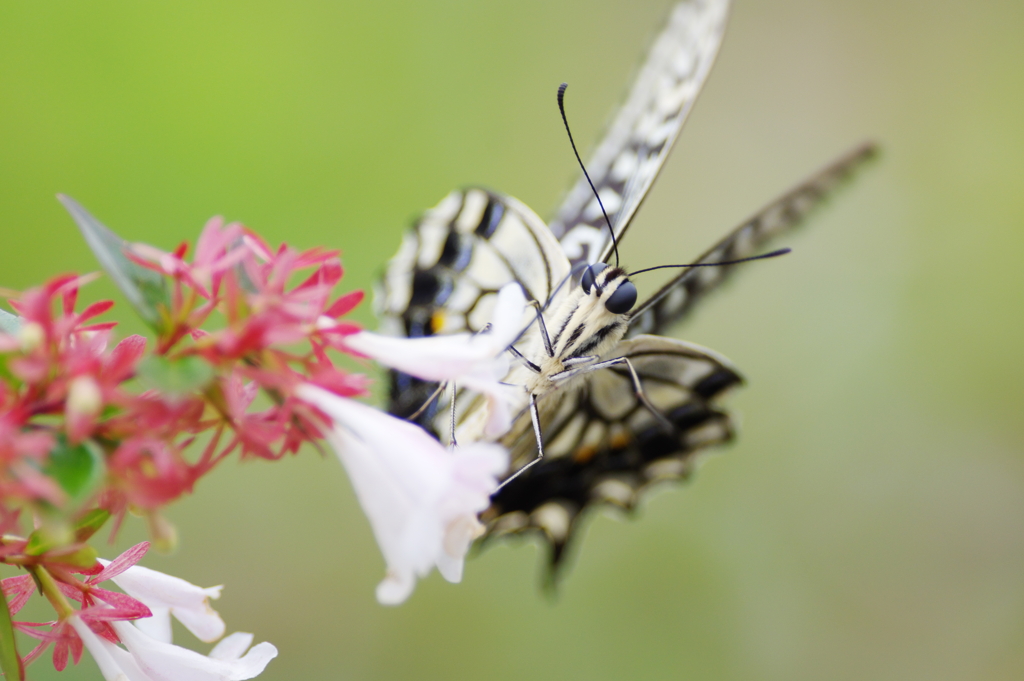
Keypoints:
pixel 868 524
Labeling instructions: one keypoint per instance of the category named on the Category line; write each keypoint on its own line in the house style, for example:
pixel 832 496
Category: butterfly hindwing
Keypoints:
pixel 602 446
pixel 676 298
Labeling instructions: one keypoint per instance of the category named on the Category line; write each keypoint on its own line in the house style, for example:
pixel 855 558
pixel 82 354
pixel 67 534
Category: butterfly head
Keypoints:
pixel 611 286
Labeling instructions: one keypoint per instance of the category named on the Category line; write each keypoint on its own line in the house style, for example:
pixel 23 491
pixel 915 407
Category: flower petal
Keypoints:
pixel 232 647
pixel 158 625
pixel 113 568
pixel 164 593
pixel 167 662
pixel 453 357
pixel 111 660
pixel 395 588
pixel 421 500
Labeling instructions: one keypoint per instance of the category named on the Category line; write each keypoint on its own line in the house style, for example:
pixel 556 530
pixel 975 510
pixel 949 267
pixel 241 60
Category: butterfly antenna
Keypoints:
pixel 773 254
pixel 561 108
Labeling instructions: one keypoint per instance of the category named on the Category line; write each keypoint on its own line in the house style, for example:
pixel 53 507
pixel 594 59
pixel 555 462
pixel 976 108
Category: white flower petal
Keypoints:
pixel 159 625
pixel 459 534
pixel 167 662
pixel 232 647
pixel 475 361
pixel 204 622
pixel 109 658
pixel 164 593
pixel 452 357
pixel 395 588
pixel 421 500
pixel 507 318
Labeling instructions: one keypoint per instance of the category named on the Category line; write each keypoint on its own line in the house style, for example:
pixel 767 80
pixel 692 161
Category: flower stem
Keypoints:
pixel 48 587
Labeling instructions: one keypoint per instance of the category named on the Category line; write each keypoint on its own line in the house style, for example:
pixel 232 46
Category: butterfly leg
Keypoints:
pixel 451 442
pixel 532 366
pixel 433 396
pixel 638 388
pixel 535 417
pixel 548 348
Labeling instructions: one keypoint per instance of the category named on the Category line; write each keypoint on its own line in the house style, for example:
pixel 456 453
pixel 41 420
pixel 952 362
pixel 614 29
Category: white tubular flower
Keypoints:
pixel 166 595
pixel 150 660
pixel 476 361
pixel 421 499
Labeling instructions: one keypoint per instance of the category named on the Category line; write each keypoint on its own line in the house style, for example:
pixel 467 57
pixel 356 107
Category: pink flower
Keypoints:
pixel 100 607
pixel 421 499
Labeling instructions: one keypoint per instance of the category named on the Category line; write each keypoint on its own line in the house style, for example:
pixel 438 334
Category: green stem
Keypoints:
pixel 10 662
pixel 48 586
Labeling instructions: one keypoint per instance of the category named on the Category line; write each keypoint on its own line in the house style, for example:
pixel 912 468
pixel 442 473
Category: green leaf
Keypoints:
pixel 91 523
pixel 51 535
pixel 10 663
pixel 178 377
pixel 9 323
pixel 78 469
pixel 145 289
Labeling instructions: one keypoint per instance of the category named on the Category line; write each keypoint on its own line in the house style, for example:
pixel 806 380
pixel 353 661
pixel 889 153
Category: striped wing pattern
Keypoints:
pixel 603 446
pixel 676 298
pixel 449 268
pixel 592 456
pixel 635 146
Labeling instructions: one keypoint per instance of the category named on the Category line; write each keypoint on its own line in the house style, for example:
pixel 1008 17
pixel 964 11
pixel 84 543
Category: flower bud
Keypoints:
pixel 162 532
pixel 84 396
pixel 31 336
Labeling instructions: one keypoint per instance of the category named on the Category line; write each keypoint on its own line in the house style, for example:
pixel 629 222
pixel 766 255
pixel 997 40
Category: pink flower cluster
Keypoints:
pixel 240 362
pixel 88 431
pixel 58 365
pixel 99 607
pixel 101 622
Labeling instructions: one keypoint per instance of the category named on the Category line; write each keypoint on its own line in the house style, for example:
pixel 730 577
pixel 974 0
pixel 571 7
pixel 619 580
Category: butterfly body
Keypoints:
pixel 584 331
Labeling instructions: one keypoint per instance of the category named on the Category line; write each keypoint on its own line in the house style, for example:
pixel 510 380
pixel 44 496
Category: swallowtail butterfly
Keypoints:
pixel 602 444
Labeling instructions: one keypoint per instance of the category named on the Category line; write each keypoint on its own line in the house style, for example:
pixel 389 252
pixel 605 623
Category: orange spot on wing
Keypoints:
pixel 437 321
pixel 584 454
pixel 621 440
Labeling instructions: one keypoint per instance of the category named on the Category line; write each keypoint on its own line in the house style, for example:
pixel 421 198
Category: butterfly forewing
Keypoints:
pixel 451 264
pixel 641 135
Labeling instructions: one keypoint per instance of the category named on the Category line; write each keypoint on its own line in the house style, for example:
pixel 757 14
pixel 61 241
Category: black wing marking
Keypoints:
pixel 628 159
pixel 603 447
pixel 448 270
pixel 675 299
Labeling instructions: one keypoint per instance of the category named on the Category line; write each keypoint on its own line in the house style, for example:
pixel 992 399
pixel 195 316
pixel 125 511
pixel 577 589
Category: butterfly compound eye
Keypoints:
pixel 589 274
pixel 623 299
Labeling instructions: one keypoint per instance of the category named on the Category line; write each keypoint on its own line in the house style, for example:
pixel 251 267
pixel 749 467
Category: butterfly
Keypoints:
pixel 653 402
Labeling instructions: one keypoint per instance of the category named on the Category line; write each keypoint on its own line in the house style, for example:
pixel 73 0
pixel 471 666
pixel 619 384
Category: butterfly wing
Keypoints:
pixel 603 446
pixel 431 286
pixel 676 298
pixel 448 270
pixel 628 159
